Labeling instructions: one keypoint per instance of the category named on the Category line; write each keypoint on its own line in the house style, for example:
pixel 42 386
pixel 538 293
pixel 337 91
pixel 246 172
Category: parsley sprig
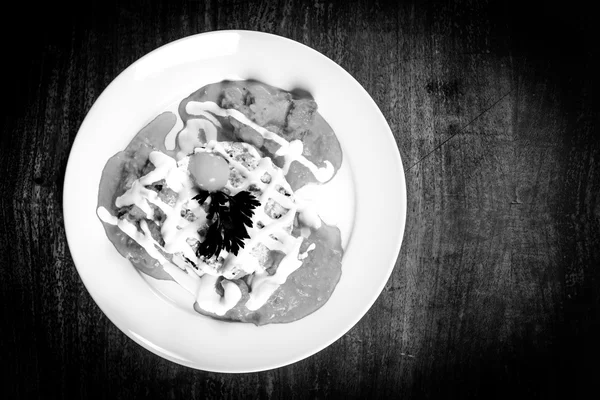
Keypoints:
pixel 229 216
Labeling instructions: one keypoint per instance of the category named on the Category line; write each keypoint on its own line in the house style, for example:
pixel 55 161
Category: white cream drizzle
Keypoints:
pixel 291 151
pixel 177 232
pixel 184 277
pixel 209 300
pixel 107 217
pixel 170 138
pixel 264 285
pixel 262 289
pixel 308 250
pixel 175 229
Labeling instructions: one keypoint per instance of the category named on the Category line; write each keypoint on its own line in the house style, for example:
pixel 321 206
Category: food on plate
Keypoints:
pixel 217 197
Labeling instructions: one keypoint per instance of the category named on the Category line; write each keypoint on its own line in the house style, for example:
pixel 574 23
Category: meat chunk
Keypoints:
pixel 236 98
pixel 267 109
pixel 275 210
pixel 300 117
pixel 270 110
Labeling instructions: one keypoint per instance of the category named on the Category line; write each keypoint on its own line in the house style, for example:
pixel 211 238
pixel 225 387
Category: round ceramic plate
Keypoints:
pixel 153 84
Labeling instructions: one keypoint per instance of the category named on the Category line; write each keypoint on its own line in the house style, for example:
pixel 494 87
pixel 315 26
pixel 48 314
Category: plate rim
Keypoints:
pixel 401 182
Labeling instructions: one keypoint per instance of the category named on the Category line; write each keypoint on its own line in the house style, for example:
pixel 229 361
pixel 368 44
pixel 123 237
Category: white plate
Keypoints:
pixel 169 74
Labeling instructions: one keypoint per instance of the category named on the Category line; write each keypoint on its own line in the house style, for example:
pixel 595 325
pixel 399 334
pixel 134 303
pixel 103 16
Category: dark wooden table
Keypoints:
pixel 494 108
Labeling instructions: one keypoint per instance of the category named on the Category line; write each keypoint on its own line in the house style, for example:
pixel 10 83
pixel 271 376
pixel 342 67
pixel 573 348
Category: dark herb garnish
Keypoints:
pixel 228 216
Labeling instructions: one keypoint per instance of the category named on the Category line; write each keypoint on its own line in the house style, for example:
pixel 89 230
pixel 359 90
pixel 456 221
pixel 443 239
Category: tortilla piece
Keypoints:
pixel 120 171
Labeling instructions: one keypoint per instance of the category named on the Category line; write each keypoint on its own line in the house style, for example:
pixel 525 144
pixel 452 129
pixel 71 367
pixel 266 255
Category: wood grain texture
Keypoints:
pixel 496 290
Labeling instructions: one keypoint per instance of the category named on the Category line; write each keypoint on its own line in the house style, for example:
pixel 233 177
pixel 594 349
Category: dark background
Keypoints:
pixel 493 106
